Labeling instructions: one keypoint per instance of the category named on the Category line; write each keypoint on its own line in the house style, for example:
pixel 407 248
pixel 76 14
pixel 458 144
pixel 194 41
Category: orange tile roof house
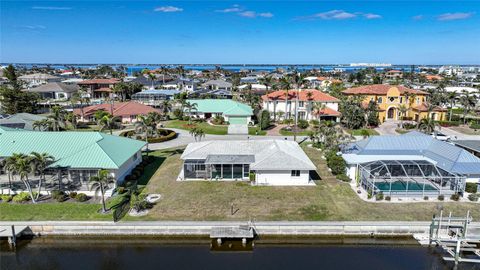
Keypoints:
pixel 128 111
pixel 99 88
pixel 390 98
pixel 312 104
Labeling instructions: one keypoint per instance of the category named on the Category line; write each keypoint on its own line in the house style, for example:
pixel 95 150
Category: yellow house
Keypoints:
pixel 392 99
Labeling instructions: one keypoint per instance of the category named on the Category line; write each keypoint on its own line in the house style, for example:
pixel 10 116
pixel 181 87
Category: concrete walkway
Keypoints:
pixel 387 128
pixel 185 138
pixel 455 135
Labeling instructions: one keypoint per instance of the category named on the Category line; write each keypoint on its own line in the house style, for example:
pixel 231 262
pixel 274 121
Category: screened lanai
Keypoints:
pixel 220 167
pixel 409 178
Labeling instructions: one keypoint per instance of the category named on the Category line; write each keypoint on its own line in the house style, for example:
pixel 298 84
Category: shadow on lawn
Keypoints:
pixel 150 169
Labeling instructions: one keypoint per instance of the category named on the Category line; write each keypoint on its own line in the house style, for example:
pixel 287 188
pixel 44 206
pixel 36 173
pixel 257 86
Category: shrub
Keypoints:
pixel 170 134
pixel 409 126
pixel 185 118
pixel 441 197
pixel 343 177
pixel 314 122
pixel 303 124
pixel 72 194
pixel 251 176
pixel 425 198
pixel 475 126
pixel 387 198
pixel 81 197
pixel 58 195
pixel 379 196
pixel 473 197
pixel 448 123
pixel 369 195
pixel 177 113
pixel 471 187
pixel 6 198
pixel 218 120
pixel 335 163
pixel 455 197
pixel 22 197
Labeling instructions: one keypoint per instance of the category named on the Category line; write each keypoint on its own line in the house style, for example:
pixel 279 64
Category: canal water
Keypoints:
pixel 179 254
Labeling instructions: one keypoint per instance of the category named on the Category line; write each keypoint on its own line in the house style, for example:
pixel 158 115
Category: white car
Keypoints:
pixel 441 136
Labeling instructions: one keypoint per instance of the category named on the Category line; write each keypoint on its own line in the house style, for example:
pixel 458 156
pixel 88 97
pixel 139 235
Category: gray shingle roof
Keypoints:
pixel 54 87
pixel 268 154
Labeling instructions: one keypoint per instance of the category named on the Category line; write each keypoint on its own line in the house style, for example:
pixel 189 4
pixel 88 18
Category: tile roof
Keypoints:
pixel 424 108
pixel 87 150
pixel 292 94
pixel 268 154
pixel 100 81
pixel 225 106
pixel 329 112
pixel 119 109
pixel 381 89
pixel 446 156
pixel 21 120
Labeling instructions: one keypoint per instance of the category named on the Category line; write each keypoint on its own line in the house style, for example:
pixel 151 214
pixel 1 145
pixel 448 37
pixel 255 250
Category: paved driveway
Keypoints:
pixel 387 128
pixel 455 135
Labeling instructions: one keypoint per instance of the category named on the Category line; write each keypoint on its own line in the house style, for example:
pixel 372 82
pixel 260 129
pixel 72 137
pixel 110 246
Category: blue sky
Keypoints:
pixel 290 32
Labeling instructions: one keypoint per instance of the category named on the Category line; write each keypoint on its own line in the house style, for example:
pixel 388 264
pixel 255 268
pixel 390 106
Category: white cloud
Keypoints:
pixel 334 15
pixel 51 8
pixel 455 16
pixel 253 14
pixel 418 17
pixel 168 9
pixel 34 27
pixel 234 8
pixel 371 16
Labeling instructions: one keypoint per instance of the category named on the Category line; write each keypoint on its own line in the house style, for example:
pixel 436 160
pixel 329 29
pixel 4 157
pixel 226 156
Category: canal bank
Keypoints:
pixel 189 228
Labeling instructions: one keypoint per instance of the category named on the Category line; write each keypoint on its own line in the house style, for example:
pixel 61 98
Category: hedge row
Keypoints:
pixel 166 135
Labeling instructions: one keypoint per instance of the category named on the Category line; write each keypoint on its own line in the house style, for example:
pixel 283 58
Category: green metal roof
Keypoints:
pixel 225 106
pixel 71 149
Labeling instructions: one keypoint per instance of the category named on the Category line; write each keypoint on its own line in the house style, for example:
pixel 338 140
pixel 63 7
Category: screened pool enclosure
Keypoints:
pixel 409 178
pixel 221 167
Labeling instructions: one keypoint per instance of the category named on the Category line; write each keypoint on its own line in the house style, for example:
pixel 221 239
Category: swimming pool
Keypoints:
pixel 401 186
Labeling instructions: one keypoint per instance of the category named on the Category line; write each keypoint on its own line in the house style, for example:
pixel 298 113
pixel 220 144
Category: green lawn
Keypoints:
pixel 207 128
pixel 362 132
pixel 285 132
pixel 204 200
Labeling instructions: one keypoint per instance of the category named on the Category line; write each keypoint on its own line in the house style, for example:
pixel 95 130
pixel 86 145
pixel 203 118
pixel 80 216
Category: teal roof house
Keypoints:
pixel 237 114
pixel 78 155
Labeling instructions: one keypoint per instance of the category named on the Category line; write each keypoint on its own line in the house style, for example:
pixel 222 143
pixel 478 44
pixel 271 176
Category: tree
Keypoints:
pixel 9 166
pixel 81 96
pixel 40 163
pixel 403 111
pixel 267 81
pixel 468 102
pixel 451 97
pixel 197 133
pixel 23 168
pixel 264 119
pixel 285 83
pixel 109 122
pixel 44 124
pixel 190 108
pixel 100 183
pixel 57 116
pixel 353 114
pixel 12 99
pixel 72 119
pixel 318 109
pixel 372 114
pixel 427 125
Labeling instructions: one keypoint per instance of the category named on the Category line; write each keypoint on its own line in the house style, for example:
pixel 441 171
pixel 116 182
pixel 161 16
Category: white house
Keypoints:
pixel 265 162
pixel 312 104
pixel 55 90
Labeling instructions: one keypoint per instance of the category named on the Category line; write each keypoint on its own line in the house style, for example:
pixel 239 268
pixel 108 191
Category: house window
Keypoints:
pixel 418 100
pixel 295 173
pixel 301 104
pixel 392 99
pixel 246 170
pixel 380 100
pixel 401 99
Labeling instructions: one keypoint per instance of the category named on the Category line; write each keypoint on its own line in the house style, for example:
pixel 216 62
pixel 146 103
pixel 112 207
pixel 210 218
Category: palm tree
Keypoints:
pixel 317 109
pixel 57 116
pixel 166 107
pixel 10 168
pixel 23 168
pixel 197 133
pixel 100 183
pixel 309 103
pixel 403 110
pixel 190 107
pixel 72 119
pixel 451 97
pixel 152 78
pixel 427 125
pixel 285 83
pixel 81 96
pixel 468 102
pixel 267 81
pixel 44 124
pixel 39 164
pixel 109 122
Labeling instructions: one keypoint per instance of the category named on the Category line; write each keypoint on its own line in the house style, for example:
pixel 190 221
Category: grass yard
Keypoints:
pixel 285 132
pixel 203 200
pixel 207 128
pixel 362 132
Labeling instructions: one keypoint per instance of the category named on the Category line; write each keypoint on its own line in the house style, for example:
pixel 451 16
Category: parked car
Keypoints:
pixel 440 136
